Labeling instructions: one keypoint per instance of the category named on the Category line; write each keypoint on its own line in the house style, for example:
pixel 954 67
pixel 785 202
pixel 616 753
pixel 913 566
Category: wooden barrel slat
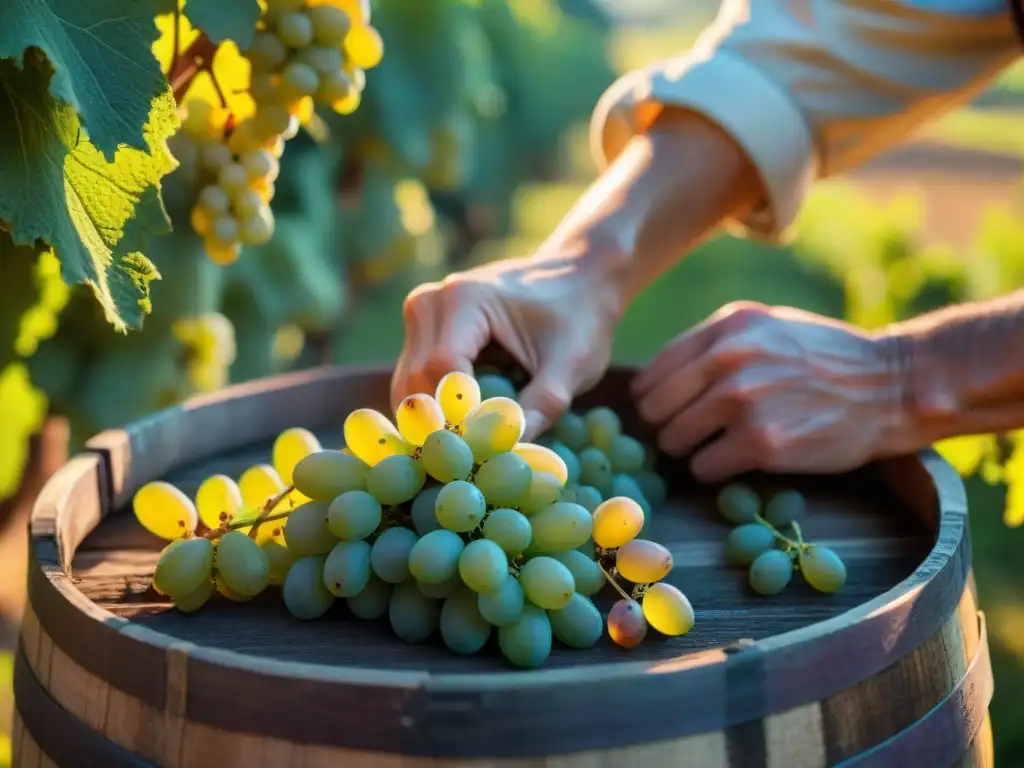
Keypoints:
pixel 800 680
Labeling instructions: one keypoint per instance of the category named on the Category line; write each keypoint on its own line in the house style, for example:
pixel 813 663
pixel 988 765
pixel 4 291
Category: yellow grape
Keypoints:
pixel 364 47
pixel 457 393
pixel 291 447
pixel 232 178
pixel 280 559
pixel 642 561
pixel 247 202
pixel 201 221
pixel 213 199
pixel 371 437
pixel 617 521
pixel 258 483
pixel 822 568
pixel 215 156
pixel 541 459
pixel 218 500
pixel 349 104
pixel 668 610
pixel 418 416
pixel 258 228
pixel 271 121
pixel 224 230
pixel 493 427
pixel 245 137
pixel 165 511
pixel 223 254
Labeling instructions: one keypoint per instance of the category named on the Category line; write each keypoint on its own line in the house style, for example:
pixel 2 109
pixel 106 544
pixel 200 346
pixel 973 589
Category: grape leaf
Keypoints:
pixel 60 189
pixel 100 52
pixel 225 19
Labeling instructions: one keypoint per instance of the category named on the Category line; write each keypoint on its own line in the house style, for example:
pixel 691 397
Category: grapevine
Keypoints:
pixel 440 520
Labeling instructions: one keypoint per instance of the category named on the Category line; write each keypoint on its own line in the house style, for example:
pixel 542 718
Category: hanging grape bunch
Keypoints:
pixel 300 56
pixel 442 521
pixel 772 557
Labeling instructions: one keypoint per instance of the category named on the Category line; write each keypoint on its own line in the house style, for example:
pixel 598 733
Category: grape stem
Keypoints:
pixel 799 536
pixel 198 57
pixel 614 583
pixel 268 507
pixel 775 531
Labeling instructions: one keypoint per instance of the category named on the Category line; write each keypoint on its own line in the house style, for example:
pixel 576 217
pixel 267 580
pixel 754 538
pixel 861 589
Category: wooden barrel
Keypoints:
pixel 891 671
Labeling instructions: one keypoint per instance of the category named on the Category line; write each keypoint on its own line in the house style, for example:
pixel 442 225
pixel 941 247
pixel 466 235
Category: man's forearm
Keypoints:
pixel 667 191
pixel 964 368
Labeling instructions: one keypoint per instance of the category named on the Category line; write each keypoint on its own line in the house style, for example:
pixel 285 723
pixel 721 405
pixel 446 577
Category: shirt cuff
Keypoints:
pixel 731 92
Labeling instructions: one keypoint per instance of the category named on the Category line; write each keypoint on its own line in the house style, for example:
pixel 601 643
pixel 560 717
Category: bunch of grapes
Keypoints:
pixel 210 341
pixel 771 556
pixel 442 520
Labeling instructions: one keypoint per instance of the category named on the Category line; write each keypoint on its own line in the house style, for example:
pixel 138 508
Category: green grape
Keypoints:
pixel 371 437
pixel 280 560
pixel 334 86
pixel 626 454
pixel 463 629
pixel 442 589
pixel 624 485
pixel 232 178
pixel 653 487
pixel 568 494
pixel 460 506
pixel 435 557
pixel 389 556
pixel 424 518
pixel 246 204
pixel 306 531
pixel 642 561
pixel 627 625
pixel 571 430
pixel 503 607
pixel 305 595
pixel 372 602
pixel 256 229
pixel 493 427
pixel 589 549
pixel 291 447
pixel 213 199
pixel 545 490
pixel 586 573
pixel 738 504
pixel 354 515
pixel 330 25
pixel 165 511
pixel 509 529
pixel 261 164
pixel 483 566
pixel 595 469
pixel 228 592
pixel 298 80
pixel 570 459
pixel 395 479
pixel 745 542
pixel 492 385
pixel 413 616
pixel 242 564
pixel 546 583
pixel 446 457
pixel 588 497
pixel 785 507
pixel 295 29
pixel 215 156
pixel 504 480
pixel 603 425
pixel 266 53
pixel 417 417
pixel 183 566
pixel 770 572
pixel 224 230
pixel 195 599
pixel 560 527
pixel 667 610
pixel 822 568
pixel 527 643
pixel 579 624
pixel 325 475
pixel 347 569
pixel 457 393
pixel 218 501
pixel 617 521
pixel 541 459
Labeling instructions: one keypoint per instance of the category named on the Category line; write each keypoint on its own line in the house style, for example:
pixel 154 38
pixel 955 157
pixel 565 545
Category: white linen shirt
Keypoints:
pixel 810 88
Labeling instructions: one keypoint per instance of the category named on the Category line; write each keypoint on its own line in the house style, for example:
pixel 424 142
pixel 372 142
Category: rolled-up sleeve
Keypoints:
pixel 811 88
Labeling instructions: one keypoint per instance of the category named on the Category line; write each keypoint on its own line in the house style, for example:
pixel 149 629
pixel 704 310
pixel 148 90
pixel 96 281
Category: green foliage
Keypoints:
pixel 222 20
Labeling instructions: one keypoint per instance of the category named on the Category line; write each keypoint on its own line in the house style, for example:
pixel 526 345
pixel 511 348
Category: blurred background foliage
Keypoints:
pixel 470 145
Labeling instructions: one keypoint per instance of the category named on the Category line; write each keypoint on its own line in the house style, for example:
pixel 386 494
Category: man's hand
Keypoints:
pixel 784 391
pixel 556 321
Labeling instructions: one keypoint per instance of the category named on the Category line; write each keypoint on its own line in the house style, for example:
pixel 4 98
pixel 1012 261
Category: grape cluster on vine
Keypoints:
pixel 301 54
pixel 441 520
pixel 771 556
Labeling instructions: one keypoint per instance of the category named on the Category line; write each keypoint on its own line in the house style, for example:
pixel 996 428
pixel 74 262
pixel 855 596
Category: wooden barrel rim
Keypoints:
pixel 468 715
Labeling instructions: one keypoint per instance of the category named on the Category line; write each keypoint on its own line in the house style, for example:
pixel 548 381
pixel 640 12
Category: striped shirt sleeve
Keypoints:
pixel 810 88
